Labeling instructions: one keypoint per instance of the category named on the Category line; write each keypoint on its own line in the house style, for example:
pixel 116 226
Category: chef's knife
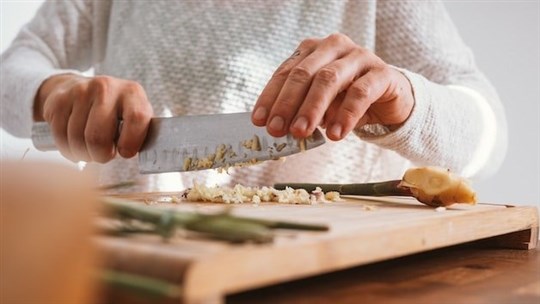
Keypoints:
pixel 188 143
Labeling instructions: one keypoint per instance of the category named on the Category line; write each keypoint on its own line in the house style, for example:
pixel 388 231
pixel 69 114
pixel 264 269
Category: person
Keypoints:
pixel 392 83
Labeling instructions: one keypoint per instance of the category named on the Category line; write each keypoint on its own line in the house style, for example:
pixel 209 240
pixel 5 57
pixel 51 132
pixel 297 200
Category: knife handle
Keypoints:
pixel 43 139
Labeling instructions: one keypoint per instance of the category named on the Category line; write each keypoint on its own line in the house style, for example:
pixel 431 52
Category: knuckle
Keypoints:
pixel 338 38
pixel 137 115
pixel 300 74
pixel 359 51
pixel 101 83
pixel 281 73
pixel 376 62
pixel 316 109
pixel 96 138
pixel 360 90
pixel 308 43
pixel 350 112
pixel 384 71
pixel 327 76
pixel 76 141
pixel 134 88
pixel 47 115
pixel 101 80
pixel 283 106
pixel 49 111
pixel 146 107
pixel 79 90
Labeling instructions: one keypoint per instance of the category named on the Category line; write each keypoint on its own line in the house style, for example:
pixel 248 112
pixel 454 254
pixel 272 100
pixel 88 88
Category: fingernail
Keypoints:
pixel 260 113
pixel 335 130
pixel 125 152
pixel 277 123
pixel 300 124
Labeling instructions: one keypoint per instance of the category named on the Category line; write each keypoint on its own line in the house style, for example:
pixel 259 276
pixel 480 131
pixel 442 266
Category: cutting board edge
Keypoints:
pixel 198 286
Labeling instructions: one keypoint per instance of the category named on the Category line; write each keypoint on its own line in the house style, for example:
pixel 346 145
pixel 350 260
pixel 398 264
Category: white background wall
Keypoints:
pixel 14 14
pixel 505 37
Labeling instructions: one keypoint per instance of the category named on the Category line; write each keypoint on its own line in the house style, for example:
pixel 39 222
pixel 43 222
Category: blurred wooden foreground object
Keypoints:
pixel 46 223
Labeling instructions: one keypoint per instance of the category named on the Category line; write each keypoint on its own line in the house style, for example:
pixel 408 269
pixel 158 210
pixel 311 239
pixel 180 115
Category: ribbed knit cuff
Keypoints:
pixel 18 120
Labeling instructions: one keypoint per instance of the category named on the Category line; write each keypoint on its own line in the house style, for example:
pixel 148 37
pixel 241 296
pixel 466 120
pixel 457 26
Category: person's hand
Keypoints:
pixel 334 83
pixel 84 113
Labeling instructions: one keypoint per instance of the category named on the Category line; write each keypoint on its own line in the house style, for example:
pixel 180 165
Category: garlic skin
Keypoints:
pixel 438 187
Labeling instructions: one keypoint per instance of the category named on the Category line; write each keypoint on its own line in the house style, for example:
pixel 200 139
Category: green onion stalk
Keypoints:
pixel 223 225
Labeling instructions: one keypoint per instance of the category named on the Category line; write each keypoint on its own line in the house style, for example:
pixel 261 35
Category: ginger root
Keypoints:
pixel 437 187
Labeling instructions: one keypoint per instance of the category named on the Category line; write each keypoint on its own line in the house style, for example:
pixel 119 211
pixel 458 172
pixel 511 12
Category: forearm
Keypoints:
pixel 458 121
pixel 22 73
pixel 57 40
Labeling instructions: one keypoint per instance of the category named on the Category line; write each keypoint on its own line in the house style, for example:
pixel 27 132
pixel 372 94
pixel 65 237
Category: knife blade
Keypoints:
pixel 189 143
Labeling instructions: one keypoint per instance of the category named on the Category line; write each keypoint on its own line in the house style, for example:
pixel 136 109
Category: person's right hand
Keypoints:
pixel 84 112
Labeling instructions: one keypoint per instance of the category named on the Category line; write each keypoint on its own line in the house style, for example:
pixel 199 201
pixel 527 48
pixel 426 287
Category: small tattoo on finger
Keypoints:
pixel 295 54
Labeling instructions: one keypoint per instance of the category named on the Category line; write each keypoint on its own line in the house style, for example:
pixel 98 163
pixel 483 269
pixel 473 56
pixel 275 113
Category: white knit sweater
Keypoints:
pixel 203 57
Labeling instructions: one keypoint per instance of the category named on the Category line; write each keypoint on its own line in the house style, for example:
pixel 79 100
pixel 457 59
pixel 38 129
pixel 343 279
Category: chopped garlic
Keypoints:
pixel 440 209
pixel 280 146
pixel 187 163
pixel 369 207
pixel 318 194
pixel 220 152
pixel 302 144
pixel 242 194
pixel 253 144
pixel 332 196
pixel 205 163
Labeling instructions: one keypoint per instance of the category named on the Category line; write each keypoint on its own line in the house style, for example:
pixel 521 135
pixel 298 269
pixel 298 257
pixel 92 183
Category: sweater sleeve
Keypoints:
pixel 458 121
pixel 57 40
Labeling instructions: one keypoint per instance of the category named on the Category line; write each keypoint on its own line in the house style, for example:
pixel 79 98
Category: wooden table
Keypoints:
pixel 471 273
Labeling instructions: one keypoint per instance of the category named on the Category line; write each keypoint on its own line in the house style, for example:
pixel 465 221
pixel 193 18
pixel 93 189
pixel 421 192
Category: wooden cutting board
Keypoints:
pixel 362 231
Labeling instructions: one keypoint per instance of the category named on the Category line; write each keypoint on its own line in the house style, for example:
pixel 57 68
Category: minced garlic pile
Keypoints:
pixel 242 194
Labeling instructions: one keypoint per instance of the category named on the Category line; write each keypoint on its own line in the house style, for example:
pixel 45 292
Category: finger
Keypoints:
pixel 327 83
pixel 56 112
pixel 102 120
pixel 299 81
pixel 136 112
pixel 395 105
pixel 360 96
pixel 77 122
pixel 271 90
pixel 332 109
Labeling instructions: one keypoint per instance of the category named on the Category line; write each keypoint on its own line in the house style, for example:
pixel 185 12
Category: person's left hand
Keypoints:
pixel 334 83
